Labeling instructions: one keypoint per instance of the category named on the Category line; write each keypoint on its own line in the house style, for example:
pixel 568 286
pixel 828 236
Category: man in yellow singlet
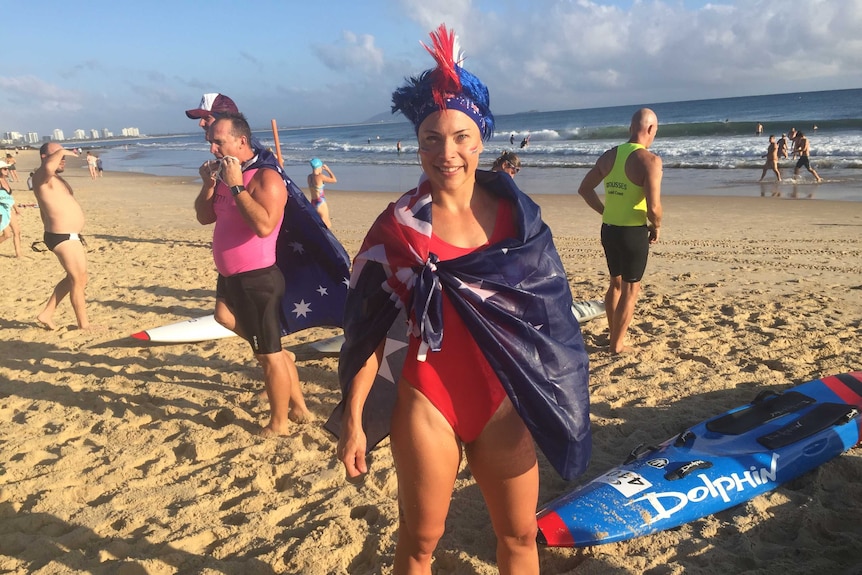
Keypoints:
pixel 631 218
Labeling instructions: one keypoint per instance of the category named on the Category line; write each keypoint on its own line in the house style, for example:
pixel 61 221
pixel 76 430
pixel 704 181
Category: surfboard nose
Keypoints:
pixel 553 531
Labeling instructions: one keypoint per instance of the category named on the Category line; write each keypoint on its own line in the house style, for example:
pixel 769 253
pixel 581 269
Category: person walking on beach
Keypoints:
pixel 63 220
pixel 247 208
pixel 508 162
pixel 436 252
pixel 771 156
pixel 804 147
pixel 91 165
pixel 318 178
pixel 9 216
pixel 631 218
pixel 13 170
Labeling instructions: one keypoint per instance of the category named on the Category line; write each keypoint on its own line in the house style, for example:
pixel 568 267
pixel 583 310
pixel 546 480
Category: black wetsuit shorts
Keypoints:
pixel 626 251
pixel 254 297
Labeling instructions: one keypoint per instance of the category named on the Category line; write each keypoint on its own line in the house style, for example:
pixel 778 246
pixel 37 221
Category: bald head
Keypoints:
pixel 643 127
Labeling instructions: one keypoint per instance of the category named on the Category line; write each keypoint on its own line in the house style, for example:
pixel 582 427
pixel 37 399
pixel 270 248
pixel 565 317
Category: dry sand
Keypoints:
pixel 121 457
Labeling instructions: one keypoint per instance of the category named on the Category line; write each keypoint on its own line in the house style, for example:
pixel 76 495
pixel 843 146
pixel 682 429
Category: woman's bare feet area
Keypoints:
pixel 274 431
pixel 46 322
pixel 626 350
pixel 300 415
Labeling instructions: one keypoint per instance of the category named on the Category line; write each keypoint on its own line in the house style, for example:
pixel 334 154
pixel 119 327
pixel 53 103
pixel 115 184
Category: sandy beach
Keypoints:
pixel 122 457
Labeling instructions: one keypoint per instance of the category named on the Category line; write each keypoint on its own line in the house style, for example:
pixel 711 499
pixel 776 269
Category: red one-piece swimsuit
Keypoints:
pixel 458 380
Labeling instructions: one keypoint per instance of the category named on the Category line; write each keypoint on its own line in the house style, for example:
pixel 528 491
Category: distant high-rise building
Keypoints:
pixel 58 135
pixel 94 134
pixel 107 133
pixel 131 132
pixel 32 138
pixel 79 134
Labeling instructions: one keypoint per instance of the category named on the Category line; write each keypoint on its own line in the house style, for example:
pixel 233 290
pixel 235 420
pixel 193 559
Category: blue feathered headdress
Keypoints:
pixel 448 86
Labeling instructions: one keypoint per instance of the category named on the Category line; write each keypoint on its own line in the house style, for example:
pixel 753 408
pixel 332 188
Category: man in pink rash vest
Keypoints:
pixel 247 207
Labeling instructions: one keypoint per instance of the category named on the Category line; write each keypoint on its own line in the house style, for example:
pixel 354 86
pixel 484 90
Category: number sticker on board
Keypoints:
pixel 628 483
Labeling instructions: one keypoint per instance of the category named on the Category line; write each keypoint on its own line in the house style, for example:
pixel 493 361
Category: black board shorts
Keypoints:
pixel 626 251
pixel 254 297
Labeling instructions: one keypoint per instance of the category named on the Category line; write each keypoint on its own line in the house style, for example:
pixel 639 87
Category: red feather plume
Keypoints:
pixel 447 52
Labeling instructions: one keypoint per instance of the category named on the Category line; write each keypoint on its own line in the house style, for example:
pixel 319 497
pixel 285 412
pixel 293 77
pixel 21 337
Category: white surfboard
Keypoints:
pixel 190 330
pixel 588 309
pixel 329 345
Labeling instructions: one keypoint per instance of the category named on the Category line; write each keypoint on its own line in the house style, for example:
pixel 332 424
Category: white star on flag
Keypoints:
pixel 477 289
pixel 322 291
pixel 390 347
pixel 297 247
pixel 301 308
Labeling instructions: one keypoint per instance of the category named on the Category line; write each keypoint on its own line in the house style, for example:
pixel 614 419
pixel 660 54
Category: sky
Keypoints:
pixel 109 64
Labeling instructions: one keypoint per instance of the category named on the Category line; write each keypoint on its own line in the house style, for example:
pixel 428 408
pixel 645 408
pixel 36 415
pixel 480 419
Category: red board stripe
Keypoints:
pixel 554 530
pixel 842 390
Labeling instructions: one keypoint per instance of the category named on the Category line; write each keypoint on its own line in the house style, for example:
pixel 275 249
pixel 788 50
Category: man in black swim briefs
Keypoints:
pixel 63 220
pixel 631 218
pixel 53 240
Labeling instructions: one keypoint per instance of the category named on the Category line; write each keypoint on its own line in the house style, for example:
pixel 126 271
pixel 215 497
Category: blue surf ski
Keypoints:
pixel 715 465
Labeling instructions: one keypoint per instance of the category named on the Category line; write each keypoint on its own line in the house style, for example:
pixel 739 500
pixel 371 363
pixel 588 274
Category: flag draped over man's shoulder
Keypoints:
pixel 315 265
pixel 514 298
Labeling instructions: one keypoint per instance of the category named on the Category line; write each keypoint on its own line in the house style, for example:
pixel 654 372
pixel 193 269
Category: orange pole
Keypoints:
pixel 277 144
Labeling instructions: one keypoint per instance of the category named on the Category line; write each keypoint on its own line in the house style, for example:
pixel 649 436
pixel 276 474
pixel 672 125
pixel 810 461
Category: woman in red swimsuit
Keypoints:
pixel 449 398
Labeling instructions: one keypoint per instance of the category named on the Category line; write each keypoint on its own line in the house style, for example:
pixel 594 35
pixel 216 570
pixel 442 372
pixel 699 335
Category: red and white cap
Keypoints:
pixel 212 104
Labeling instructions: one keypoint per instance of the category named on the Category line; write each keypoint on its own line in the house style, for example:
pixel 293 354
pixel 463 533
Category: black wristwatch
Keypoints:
pixel 236 190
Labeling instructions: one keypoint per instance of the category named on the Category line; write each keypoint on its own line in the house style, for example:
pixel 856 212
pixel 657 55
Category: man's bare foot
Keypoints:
pixel 626 350
pixel 270 431
pixel 45 321
pixel 300 415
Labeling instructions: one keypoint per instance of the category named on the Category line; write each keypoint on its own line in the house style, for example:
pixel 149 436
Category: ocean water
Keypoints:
pixel 708 147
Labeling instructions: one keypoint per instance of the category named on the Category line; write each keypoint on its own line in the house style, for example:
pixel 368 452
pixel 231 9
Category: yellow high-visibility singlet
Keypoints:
pixel 625 202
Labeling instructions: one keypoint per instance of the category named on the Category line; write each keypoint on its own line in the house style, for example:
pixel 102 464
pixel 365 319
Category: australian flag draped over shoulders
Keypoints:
pixel 514 298
pixel 315 265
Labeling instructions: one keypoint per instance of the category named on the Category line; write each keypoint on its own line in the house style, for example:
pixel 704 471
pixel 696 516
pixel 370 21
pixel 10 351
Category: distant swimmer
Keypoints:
pixel 525 141
pixel 759 130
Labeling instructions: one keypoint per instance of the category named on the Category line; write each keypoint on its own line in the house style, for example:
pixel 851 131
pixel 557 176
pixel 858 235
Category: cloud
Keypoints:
pixel 353 53
pixel 557 54
pixel 37 94
pixel 432 13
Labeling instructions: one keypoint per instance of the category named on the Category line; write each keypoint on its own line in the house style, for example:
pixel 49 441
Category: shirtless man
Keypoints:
pixel 63 220
pixel 804 150
pixel 771 160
